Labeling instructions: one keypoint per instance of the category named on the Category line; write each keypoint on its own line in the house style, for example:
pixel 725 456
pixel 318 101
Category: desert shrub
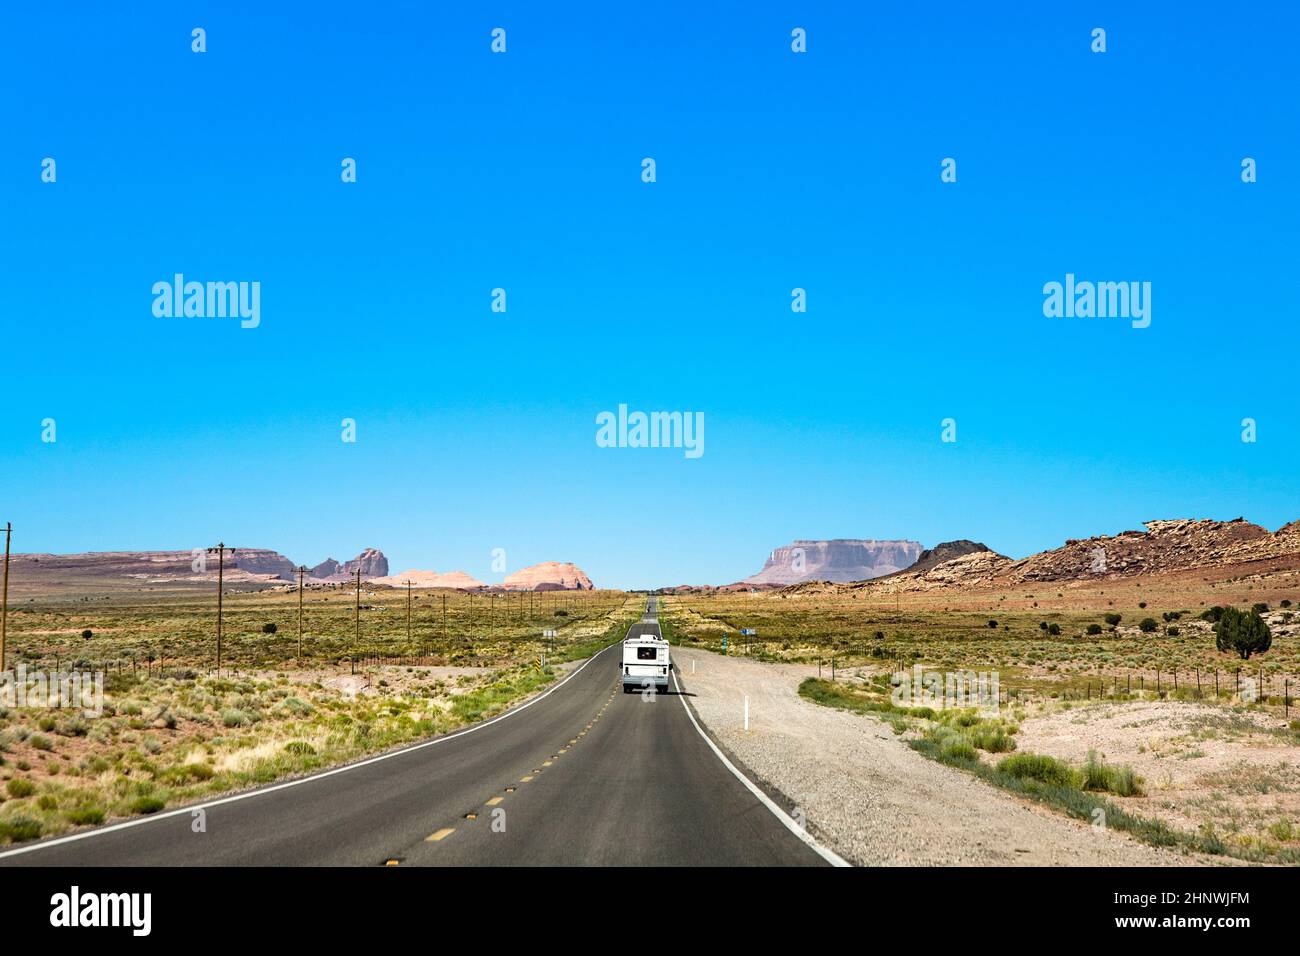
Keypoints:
pixel 957 747
pixel 186 773
pixel 1172 631
pixel 1242 632
pixel 1097 775
pixel 46 724
pixel 1148 625
pixel 1038 767
pixel 269 628
pixel 992 738
pixel 74 727
pixel 1094 628
pixel 1212 614
pixel 300 748
pixel 40 742
pixel 87 633
pixel 88 814
pixel 19 828
pixel 234 717
pixel 20 787
pixel 147 804
pixel 1113 619
pixel 993 624
pixel 1260 607
pixel 1053 628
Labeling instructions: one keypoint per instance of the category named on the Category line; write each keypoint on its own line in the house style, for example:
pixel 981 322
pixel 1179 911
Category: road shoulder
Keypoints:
pixel 869 796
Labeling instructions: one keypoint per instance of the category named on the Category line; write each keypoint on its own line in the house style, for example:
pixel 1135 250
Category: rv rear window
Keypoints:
pixel 647 653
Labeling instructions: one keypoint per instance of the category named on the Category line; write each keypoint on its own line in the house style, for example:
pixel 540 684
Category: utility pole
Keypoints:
pixel 302 569
pixel 357 644
pixel 4 607
pixel 220 550
pixel 408 613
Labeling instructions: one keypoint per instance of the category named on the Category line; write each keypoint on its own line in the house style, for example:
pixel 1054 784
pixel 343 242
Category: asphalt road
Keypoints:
pixel 585 775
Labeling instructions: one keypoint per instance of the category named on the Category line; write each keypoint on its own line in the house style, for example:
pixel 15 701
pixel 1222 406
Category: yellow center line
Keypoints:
pixel 440 835
pixel 547 763
pixel 526 779
pixel 494 801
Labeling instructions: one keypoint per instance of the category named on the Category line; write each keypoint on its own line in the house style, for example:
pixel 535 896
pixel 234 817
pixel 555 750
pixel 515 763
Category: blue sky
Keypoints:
pixel 476 430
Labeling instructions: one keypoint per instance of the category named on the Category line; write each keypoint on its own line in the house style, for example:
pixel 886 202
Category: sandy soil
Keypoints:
pixel 872 798
pixel 1229 768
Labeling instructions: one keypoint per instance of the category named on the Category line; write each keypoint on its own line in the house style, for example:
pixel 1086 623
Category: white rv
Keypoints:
pixel 645 663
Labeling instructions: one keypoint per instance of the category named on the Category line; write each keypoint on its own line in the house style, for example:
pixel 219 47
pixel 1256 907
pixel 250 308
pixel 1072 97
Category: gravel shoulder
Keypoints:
pixel 873 799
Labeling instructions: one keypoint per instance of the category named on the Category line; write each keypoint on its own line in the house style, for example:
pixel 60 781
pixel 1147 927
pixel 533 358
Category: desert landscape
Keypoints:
pixel 375 666
pixel 1113 692
pixel 1115 699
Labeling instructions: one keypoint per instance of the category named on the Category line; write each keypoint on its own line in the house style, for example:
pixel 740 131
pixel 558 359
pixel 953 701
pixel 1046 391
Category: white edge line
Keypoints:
pixel 830 856
pixel 262 791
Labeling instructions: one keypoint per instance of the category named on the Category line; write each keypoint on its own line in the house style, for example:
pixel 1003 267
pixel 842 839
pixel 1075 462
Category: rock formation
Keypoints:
pixel 325 569
pixel 944 552
pixel 840 560
pixel 431 579
pixel 548 576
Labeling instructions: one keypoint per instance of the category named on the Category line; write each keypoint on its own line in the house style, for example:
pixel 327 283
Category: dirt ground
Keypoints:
pixel 1210 767
pixel 872 798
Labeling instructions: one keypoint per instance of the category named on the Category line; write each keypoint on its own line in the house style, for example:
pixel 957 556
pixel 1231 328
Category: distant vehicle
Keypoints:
pixel 645 663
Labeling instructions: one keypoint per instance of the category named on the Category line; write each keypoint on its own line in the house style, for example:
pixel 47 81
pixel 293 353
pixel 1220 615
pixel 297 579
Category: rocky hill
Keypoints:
pixel 431 579
pixel 371 561
pixel 1163 547
pixel 178 568
pixel 946 551
pixel 548 576
pixel 839 560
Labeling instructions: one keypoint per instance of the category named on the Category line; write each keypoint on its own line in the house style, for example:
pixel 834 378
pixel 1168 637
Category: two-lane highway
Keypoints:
pixel 583 774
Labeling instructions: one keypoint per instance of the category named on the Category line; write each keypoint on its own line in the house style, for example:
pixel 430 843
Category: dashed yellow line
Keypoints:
pixel 526 779
pixel 440 835
pixel 547 763
pixel 494 801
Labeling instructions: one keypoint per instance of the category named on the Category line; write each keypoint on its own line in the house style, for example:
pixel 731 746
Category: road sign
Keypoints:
pixel 749 632
pixel 548 633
